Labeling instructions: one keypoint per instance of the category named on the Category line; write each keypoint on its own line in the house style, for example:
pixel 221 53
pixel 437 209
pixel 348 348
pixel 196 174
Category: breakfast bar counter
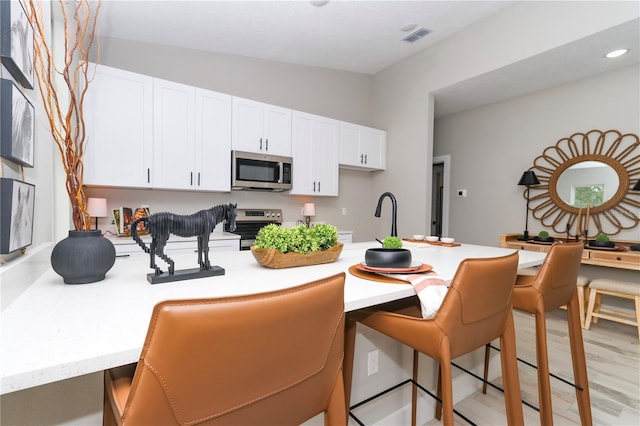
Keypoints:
pixel 53 331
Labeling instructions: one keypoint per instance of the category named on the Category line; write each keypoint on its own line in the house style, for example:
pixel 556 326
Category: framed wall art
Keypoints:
pixel 17 202
pixel 17 125
pixel 16 42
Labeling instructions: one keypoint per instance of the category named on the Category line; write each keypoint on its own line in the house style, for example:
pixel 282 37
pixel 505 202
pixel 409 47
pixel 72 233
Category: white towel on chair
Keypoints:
pixel 429 287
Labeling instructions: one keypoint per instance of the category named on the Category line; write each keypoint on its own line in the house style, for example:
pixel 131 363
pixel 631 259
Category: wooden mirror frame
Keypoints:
pixel 619 151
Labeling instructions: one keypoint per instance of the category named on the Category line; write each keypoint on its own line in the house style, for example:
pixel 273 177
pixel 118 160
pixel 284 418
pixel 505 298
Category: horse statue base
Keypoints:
pixel 184 274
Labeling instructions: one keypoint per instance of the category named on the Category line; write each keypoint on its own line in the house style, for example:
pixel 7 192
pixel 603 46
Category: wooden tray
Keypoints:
pixel 618 248
pixel 372 276
pixel 271 258
pixel 434 243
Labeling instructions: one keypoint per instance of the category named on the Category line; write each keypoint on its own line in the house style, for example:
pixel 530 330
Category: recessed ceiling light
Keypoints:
pixel 319 3
pixel 616 53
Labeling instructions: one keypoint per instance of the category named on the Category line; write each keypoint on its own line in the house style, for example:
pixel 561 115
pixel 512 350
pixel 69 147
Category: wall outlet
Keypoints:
pixel 344 211
pixel 372 362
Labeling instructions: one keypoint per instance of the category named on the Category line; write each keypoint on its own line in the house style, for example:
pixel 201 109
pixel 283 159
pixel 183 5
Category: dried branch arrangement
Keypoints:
pixel 63 88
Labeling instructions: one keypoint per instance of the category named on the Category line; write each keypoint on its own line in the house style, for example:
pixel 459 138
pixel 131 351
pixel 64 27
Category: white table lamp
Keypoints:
pixel 308 210
pixel 97 207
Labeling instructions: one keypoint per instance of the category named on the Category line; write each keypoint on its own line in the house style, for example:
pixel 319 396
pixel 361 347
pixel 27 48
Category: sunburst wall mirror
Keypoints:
pixel 588 172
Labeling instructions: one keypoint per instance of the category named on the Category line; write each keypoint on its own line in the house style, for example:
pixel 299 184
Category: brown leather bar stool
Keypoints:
pixel 475 311
pixel 552 287
pixel 265 359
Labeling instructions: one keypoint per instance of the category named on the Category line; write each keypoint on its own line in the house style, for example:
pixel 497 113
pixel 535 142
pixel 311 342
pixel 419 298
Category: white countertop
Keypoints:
pixel 53 331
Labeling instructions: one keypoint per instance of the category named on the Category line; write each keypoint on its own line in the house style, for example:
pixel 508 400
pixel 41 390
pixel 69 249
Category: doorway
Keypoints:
pixel 440 182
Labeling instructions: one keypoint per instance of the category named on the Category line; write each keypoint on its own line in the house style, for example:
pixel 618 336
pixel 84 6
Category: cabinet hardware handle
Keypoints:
pixel 266 144
pixel 148 175
pixel 314 186
pixel 361 158
pixel 191 179
pixel 198 178
pixel 318 186
pixel 365 159
pixel 260 144
pixel 618 258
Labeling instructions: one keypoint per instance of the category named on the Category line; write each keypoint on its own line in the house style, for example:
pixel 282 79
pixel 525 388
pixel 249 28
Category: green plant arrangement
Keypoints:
pixel 543 234
pixel 602 237
pixel 392 242
pixel 298 239
pixel 278 247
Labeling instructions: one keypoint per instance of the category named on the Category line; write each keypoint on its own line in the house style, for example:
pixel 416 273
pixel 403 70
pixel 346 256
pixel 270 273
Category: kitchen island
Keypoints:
pixel 53 331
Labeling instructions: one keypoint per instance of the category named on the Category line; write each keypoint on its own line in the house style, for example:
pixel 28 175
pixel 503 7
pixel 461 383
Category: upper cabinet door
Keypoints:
pixel 174 135
pixel 118 113
pixel 326 155
pixel 315 155
pixel 213 141
pixel 260 127
pixel 362 148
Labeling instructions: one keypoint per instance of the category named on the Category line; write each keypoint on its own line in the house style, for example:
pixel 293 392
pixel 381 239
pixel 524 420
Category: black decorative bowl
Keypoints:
pixel 387 258
pixel 544 239
pixel 608 244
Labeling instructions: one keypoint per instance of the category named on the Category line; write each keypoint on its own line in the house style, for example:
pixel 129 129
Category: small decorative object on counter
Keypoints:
pixel 278 247
pixel 543 236
pixel 200 224
pixel 602 240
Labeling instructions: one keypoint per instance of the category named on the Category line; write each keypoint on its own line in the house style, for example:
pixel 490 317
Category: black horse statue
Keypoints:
pixel 200 224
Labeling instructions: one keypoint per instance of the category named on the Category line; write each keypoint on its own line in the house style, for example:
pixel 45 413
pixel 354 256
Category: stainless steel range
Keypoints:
pixel 249 222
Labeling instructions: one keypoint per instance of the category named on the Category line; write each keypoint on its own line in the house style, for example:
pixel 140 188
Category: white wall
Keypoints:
pixel 491 146
pixel 402 93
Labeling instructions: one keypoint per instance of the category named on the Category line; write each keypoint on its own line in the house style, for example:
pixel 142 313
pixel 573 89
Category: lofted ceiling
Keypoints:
pixel 357 36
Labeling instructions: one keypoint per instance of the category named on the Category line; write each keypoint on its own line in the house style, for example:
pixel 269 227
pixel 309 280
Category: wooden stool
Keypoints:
pixel 615 288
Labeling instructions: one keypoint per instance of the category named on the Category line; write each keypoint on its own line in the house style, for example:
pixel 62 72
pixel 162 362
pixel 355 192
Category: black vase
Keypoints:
pixel 83 257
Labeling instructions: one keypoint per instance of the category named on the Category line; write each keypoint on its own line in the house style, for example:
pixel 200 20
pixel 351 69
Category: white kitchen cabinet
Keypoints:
pixel 345 237
pixel 260 127
pixel 119 126
pixel 315 154
pixel 192 137
pixel 362 147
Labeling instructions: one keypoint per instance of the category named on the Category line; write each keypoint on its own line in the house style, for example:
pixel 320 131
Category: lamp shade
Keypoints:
pixel 529 178
pixel 309 209
pixel 636 187
pixel 97 207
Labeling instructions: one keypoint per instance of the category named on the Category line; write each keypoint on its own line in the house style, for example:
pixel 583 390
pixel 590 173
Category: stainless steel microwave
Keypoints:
pixel 260 172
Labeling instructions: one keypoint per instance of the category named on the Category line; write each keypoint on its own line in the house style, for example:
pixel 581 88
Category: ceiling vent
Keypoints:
pixel 416 35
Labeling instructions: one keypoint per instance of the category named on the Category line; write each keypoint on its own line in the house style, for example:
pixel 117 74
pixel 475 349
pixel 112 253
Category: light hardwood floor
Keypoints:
pixel 613 363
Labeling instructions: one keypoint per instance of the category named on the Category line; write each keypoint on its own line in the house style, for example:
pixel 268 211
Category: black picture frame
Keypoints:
pixel 17 125
pixel 16 42
pixel 17 207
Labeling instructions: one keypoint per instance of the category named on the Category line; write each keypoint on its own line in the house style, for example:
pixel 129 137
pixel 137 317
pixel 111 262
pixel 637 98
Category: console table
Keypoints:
pixel 622 259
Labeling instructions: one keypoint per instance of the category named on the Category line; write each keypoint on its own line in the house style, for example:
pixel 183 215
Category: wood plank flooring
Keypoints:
pixel 613 363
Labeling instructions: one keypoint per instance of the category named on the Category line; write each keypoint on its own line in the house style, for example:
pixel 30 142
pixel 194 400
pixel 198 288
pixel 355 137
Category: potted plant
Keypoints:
pixel 279 247
pixel 63 80
pixel 602 240
pixel 543 236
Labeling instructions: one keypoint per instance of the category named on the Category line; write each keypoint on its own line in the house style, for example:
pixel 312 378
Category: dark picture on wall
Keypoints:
pixel 17 202
pixel 16 42
pixel 17 125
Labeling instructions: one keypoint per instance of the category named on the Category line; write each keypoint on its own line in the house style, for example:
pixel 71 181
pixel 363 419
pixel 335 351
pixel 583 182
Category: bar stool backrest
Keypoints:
pixel 271 358
pixel 558 274
pixel 478 302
